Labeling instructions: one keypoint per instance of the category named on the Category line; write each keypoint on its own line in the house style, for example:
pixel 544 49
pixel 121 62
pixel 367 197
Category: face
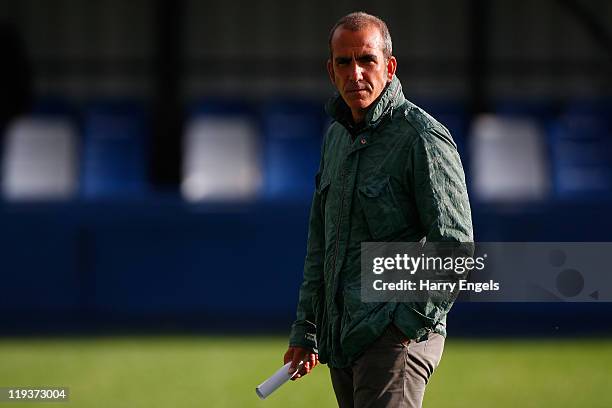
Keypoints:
pixel 358 68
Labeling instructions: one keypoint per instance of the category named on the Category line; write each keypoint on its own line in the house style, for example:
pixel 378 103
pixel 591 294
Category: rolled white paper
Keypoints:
pixel 277 379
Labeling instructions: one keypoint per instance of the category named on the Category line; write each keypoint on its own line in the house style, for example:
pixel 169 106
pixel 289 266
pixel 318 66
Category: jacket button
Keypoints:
pixel 363 141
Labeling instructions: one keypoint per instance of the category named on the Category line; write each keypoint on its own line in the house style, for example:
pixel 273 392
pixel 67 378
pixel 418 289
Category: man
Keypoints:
pixel 388 172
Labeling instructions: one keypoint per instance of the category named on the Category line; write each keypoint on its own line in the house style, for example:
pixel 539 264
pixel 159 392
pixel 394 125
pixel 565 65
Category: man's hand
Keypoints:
pixel 297 354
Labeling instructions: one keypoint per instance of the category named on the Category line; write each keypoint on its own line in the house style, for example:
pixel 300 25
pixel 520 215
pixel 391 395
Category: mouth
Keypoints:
pixel 355 91
pixel 356 87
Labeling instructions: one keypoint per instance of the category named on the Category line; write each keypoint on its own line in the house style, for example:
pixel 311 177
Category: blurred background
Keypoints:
pixel 157 164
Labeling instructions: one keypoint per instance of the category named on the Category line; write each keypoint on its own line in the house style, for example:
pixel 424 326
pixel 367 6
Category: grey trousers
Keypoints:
pixel 393 372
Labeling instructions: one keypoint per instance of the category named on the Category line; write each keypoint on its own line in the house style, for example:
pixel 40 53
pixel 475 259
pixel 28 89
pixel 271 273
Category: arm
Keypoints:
pixel 443 207
pixel 440 188
pixel 302 339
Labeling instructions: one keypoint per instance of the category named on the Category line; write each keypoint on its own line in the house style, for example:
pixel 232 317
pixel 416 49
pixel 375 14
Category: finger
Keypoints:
pixel 295 362
pixel 312 359
pixel 296 374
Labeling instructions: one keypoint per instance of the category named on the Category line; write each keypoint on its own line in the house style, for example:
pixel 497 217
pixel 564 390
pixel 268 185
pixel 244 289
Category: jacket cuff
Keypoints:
pixel 304 334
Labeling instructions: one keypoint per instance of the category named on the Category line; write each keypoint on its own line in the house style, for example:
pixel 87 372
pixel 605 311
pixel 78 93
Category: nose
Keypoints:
pixel 356 72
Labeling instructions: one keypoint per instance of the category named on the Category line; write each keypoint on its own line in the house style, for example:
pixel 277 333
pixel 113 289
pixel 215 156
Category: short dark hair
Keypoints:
pixel 359 20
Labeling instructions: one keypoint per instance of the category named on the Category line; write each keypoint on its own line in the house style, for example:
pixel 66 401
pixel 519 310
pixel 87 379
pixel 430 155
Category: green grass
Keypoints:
pixel 223 372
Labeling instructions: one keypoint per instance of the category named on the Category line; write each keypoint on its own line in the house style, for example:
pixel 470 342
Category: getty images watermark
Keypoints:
pixel 487 272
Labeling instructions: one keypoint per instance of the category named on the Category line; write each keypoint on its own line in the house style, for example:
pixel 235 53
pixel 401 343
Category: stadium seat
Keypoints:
pixel 221 153
pixel 581 152
pixel 292 134
pixel 115 150
pixel 508 159
pixel 40 159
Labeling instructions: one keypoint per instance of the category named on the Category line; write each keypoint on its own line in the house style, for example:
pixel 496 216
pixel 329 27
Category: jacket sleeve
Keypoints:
pixel 304 329
pixel 440 188
pixel 443 208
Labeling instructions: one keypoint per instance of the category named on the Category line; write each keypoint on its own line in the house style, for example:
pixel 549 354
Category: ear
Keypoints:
pixel 391 67
pixel 330 72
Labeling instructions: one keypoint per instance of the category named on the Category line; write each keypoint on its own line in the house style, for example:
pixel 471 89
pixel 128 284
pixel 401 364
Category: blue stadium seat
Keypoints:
pixel 581 151
pixel 115 150
pixel 292 135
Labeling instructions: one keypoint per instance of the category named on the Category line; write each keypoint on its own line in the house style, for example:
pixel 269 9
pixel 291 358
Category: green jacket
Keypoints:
pixel 397 178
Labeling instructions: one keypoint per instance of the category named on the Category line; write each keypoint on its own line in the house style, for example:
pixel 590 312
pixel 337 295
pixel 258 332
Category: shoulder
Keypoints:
pixel 334 128
pixel 419 119
pixel 334 131
pixel 424 125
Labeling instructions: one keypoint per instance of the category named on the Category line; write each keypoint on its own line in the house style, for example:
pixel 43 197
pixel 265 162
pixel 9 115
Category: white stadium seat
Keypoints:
pixel 508 159
pixel 220 159
pixel 40 159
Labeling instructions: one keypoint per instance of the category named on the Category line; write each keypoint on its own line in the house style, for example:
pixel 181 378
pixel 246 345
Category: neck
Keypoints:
pixel 358 115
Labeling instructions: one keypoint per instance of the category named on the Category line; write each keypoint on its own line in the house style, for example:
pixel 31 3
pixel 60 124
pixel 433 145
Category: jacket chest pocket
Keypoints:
pixel 382 212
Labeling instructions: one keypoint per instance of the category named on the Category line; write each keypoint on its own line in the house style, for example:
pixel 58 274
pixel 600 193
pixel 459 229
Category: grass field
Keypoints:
pixel 223 372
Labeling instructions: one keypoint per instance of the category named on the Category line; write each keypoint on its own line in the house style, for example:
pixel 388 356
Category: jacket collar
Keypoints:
pixel 391 97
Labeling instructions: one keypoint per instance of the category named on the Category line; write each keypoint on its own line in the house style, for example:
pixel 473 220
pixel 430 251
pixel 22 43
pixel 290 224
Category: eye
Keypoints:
pixel 368 59
pixel 342 61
